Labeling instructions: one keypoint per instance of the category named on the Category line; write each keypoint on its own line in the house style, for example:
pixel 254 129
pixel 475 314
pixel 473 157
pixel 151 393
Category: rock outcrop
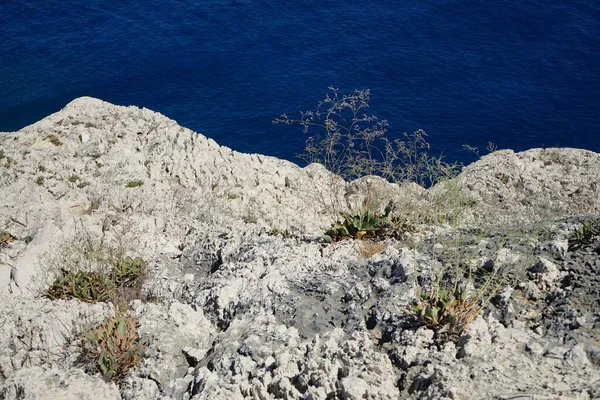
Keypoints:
pixel 242 299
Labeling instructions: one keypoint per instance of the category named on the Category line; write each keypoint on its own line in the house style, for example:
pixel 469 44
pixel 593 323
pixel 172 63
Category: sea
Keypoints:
pixel 516 73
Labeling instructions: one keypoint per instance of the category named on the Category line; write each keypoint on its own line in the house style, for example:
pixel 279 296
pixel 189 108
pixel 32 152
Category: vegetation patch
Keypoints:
pixel 351 143
pixel 39 180
pixel 341 136
pixel 448 309
pixel 121 283
pixel 134 183
pixel 5 238
pixel 367 224
pixel 460 290
pixel 54 140
pixel 584 235
pixel 112 348
pixel 86 286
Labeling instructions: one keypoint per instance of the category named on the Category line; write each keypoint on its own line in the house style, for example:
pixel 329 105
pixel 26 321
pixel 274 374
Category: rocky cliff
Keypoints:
pixel 241 298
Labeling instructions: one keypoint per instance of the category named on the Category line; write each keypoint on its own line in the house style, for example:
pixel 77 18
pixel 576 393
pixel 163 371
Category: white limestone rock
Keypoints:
pixel 243 300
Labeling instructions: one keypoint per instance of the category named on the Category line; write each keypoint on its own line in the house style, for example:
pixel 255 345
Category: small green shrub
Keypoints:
pixel 584 235
pixel 54 140
pixel 134 183
pixel 74 178
pixel 233 196
pixel 2 154
pixel 83 184
pixel 39 180
pixel 364 222
pixel 112 348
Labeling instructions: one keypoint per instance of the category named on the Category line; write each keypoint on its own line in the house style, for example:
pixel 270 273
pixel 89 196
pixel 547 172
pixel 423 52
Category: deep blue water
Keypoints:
pixel 519 73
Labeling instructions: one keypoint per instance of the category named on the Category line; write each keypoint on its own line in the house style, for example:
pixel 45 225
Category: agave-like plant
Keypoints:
pixel 113 348
pixel 448 309
pixel 97 286
pixel 89 287
pixel 365 222
pixel 127 270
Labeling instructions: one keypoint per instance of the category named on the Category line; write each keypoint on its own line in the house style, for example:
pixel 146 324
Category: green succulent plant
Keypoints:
pixel 113 348
pixel 448 309
pixel 584 235
pixel 367 223
pixel 97 286
pixel 89 287
pixel 364 222
pixel 127 270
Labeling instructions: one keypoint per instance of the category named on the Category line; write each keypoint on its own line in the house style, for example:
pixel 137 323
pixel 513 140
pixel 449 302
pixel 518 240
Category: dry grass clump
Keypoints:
pixel 368 248
pixel 350 143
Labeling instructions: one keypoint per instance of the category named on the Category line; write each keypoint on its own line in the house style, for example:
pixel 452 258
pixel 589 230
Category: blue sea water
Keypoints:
pixel 518 73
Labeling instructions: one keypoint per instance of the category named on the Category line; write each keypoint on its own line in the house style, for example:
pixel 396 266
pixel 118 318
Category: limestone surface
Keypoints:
pixel 242 297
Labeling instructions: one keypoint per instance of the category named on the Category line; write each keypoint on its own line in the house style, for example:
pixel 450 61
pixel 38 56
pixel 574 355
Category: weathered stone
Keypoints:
pixel 242 298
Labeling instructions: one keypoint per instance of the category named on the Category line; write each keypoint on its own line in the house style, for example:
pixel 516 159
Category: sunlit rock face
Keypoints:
pixel 243 298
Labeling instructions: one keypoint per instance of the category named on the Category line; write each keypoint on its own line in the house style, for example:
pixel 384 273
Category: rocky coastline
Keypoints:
pixel 242 298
